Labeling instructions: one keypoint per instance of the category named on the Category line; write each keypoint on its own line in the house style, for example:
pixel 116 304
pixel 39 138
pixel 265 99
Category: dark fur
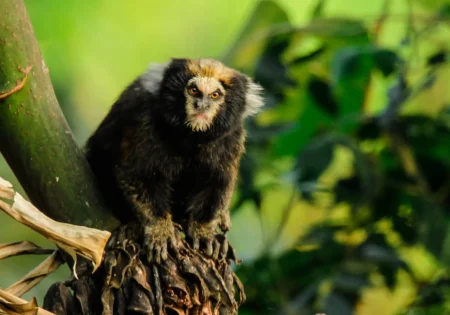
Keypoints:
pixel 144 142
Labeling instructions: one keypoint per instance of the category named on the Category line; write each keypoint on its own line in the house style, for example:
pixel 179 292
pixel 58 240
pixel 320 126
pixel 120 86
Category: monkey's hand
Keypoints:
pixel 206 234
pixel 159 236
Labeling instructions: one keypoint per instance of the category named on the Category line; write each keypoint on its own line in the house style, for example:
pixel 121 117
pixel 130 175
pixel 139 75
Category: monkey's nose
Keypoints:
pixel 201 104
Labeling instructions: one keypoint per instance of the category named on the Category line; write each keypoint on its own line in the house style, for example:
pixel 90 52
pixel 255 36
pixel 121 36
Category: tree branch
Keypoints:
pixel 36 140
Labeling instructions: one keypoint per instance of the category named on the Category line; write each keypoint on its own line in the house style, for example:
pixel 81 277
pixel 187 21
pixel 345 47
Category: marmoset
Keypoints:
pixel 169 150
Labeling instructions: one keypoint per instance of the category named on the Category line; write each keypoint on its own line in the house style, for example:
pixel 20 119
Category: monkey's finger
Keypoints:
pixel 209 247
pixel 224 250
pixel 149 256
pixel 216 249
pixel 196 243
pixel 164 254
pixel 173 243
pixel 149 249
pixel 157 253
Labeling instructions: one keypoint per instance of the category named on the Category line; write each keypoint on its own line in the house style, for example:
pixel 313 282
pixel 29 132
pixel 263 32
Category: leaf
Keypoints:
pixel 434 293
pixel 437 58
pixel 444 10
pixel 311 163
pixel 307 57
pixel 6 190
pixel 293 140
pixel 259 135
pixel 323 235
pixel 270 71
pixel 73 239
pixel 298 304
pixel 245 51
pixel 335 28
pixel 351 283
pixel 320 91
pixel 427 136
pixel 316 157
pixel 351 69
pixel 349 190
pixel 247 190
pixel 11 304
pixel 337 304
pixel 432 226
pixel 318 9
pixel 21 248
pixel 432 4
pixel 385 60
pixel 369 129
pixel 36 275
pixel 376 250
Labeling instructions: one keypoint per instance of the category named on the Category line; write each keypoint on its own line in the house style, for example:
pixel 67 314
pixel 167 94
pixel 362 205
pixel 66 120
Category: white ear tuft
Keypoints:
pixel 151 80
pixel 254 99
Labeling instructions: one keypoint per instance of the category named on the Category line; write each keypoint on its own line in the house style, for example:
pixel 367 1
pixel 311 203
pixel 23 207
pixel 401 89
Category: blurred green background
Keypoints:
pixel 343 200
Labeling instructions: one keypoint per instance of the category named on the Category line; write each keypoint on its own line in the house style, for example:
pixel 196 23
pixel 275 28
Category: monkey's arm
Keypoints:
pixel 149 197
pixel 209 210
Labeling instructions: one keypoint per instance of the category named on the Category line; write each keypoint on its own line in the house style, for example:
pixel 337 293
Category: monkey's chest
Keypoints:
pixel 201 175
pixel 190 183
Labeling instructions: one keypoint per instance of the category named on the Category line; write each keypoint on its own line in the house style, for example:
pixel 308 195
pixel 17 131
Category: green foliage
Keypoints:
pixel 352 142
pixel 320 80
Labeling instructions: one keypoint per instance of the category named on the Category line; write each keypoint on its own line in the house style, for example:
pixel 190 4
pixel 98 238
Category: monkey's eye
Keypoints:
pixel 193 91
pixel 215 95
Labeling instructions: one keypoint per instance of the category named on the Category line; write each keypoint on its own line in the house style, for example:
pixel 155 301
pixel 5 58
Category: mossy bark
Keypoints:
pixel 35 138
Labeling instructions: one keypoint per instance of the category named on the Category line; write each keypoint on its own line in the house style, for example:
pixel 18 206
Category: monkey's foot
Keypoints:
pixel 206 234
pixel 159 236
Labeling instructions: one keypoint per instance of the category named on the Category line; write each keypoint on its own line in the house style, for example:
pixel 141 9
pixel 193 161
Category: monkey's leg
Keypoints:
pixel 150 198
pixel 209 210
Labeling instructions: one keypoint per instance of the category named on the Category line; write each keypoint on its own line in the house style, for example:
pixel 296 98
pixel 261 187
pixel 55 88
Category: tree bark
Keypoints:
pixel 35 138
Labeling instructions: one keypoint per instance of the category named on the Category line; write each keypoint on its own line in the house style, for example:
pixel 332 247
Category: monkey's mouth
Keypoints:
pixel 199 120
pixel 200 115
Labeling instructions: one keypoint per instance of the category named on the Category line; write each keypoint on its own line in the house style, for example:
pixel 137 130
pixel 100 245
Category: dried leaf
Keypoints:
pixel 10 304
pixel 73 239
pixel 6 190
pixel 36 275
pixel 21 248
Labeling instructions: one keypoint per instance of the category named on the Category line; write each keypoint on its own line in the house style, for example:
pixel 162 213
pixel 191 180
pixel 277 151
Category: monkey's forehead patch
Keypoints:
pixel 206 67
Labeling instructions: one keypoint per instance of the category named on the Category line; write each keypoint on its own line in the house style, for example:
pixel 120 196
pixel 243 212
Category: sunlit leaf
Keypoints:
pixel 336 28
pixel 351 70
pixel 318 9
pixel 245 52
pixel 432 4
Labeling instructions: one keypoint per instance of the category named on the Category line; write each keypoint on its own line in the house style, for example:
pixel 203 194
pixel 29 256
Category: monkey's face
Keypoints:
pixel 204 98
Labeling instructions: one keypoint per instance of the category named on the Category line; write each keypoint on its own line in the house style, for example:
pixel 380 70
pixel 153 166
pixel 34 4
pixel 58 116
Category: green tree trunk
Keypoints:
pixel 35 138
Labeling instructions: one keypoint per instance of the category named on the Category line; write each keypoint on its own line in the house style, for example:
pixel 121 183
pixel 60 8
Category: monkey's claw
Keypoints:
pixel 204 236
pixel 158 238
